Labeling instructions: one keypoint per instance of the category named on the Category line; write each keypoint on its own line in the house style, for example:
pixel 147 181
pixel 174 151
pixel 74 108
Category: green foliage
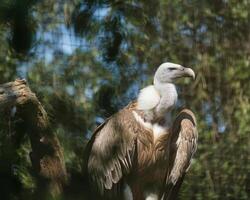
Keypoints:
pixel 112 51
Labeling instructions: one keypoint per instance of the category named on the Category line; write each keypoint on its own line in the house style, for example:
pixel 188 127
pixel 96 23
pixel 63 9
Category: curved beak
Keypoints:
pixel 189 72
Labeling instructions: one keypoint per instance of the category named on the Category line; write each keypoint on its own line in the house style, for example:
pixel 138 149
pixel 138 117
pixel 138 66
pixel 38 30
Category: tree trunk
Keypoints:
pixel 46 153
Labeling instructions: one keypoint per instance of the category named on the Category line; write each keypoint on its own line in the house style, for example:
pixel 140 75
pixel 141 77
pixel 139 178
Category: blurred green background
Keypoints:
pixel 87 59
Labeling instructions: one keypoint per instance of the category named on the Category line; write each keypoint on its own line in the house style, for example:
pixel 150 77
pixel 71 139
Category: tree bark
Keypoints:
pixel 46 154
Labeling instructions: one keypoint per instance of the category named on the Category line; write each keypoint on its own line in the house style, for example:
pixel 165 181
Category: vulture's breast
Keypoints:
pixel 151 148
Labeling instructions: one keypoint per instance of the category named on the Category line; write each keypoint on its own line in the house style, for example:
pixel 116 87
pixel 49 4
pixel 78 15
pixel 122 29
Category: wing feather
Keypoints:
pixel 109 159
pixel 183 145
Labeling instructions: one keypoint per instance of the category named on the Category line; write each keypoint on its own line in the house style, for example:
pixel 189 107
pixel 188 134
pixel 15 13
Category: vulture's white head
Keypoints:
pixel 163 95
pixel 170 72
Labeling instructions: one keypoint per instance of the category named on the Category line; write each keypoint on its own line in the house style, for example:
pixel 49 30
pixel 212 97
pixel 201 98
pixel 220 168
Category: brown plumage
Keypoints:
pixel 124 152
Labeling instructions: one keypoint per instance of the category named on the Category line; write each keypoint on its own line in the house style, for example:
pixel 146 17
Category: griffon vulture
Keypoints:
pixel 134 154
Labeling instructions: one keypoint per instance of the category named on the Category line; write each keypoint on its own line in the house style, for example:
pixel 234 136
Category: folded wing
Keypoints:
pixel 182 146
pixel 111 153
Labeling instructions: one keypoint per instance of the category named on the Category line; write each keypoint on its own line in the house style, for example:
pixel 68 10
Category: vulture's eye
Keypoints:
pixel 171 68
